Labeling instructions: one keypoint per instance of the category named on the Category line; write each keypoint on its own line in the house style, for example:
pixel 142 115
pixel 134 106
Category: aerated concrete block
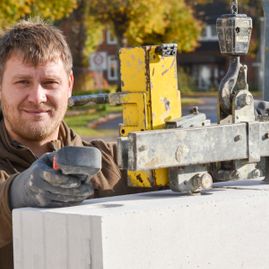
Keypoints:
pixel 224 228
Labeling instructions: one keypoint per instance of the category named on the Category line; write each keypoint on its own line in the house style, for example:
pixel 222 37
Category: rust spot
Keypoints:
pixel 165 71
pixel 122 83
pixel 139 178
pixel 166 104
pixel 173 63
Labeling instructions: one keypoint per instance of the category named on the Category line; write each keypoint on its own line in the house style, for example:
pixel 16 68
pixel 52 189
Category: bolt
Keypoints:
pixel 195 110
pixel 256 173
pixel 181 152
pixel 235 174
pixel 237 138
pixel 201 181
pixel 178 153
pixel 206 181
pixel 245 100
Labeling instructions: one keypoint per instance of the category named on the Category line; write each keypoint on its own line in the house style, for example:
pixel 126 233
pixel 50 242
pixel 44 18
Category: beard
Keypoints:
pixel 37 128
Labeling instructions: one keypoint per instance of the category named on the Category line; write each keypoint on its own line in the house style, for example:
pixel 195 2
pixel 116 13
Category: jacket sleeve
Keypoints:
pixel 107 181
pixel 5 212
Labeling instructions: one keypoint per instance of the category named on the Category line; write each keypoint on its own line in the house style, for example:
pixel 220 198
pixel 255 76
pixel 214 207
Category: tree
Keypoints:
pixel 180 27
pixel 83 34
pixel 13 10
pixel 138 22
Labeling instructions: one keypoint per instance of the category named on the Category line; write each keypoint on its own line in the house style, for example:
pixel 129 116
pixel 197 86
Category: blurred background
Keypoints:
pixel 97 29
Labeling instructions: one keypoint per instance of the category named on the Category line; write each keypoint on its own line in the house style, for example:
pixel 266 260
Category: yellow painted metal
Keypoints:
pixel 151 97
pixel 134 112
pixel 164 93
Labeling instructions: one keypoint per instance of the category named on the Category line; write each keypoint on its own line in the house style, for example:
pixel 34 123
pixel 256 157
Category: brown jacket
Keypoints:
pixel 15 158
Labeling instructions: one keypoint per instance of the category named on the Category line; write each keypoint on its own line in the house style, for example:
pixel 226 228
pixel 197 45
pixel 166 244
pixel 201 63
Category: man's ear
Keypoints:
pixel 70 83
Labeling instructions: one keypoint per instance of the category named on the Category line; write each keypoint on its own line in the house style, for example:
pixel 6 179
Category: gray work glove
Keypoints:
pixel 41 185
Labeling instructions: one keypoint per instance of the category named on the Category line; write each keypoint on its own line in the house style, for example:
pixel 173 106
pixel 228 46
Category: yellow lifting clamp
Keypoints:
pixel 149 97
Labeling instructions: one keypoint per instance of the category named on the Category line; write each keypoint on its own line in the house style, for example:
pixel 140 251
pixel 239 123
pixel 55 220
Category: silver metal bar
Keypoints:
pixel 190 146
pixel 101 98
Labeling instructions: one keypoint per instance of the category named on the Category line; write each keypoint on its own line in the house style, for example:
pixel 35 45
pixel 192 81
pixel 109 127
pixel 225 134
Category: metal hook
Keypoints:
pixel 234 7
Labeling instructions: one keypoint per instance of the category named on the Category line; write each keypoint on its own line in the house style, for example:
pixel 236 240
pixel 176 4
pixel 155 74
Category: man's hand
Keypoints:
pixel 43 185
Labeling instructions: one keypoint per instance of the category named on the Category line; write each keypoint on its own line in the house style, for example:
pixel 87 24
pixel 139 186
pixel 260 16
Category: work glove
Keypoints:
pixel 57 179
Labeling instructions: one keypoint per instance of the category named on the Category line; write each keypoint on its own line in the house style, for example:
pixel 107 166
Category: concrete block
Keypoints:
pixel 228 227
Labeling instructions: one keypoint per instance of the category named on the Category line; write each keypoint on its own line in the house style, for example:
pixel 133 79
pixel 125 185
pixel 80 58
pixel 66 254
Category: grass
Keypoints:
pixel 80 124
pixel 80 119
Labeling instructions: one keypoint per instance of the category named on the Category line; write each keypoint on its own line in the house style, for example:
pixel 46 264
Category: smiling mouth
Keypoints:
pixel 36 112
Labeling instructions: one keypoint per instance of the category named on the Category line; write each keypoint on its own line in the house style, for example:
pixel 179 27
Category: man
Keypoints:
pixel 36 81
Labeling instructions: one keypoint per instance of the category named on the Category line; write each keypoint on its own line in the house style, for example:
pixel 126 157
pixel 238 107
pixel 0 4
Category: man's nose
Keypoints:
pixel 37 94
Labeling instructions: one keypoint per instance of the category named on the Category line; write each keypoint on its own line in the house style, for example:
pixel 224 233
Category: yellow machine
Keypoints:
pixel 149 97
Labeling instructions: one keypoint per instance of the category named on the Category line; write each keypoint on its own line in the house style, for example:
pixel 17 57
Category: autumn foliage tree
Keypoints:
pixel 13 10
pixel 137 22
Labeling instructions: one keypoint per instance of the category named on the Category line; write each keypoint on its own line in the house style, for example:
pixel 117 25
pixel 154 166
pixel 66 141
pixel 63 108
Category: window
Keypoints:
pixel 112 71
pixel 204 81
pixel 209 33
pixel 213 31
pixel 111 38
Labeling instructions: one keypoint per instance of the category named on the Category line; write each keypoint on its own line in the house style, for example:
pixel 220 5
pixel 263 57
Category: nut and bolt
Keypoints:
pixel 237 138
pixel 235 174
pixel 201 181
pixel 245 100
pixel 266 136
pixel 181 152
pixel 195 110
pixel 256 173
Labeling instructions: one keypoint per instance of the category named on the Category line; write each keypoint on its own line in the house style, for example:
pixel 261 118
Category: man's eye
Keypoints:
pixel 23 82
pixel 51 83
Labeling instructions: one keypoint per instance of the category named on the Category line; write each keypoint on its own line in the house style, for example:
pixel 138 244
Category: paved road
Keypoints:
pixel 208 107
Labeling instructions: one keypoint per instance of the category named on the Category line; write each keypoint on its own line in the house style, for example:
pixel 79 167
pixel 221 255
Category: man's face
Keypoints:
pixel 34 98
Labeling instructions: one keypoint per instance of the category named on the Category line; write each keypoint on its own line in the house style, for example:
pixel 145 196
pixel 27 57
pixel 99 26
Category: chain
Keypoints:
pixel 234 7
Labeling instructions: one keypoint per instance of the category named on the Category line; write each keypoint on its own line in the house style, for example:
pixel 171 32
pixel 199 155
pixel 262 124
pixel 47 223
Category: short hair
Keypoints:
pixel 38 42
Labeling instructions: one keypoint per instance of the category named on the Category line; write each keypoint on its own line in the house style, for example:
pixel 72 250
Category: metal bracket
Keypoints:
pixel 192 120
pixel 189 179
